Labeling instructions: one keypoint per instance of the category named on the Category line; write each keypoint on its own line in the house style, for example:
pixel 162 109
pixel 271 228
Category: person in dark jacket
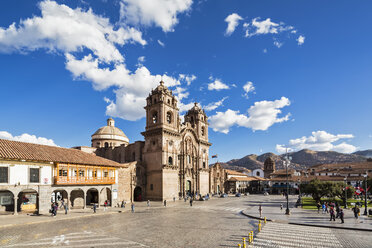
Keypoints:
pixel 341 215
pixel 332 214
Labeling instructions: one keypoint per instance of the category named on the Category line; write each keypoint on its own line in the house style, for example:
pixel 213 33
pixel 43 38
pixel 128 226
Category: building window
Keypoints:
pixel 62 173
pixel 169 117
pixel 151 187
pixel 106 144
pixel 202 131
pixel 105 174
pixel 203 164
pixel 170 161
pixel 98 144
pixel 81 173
pixel 3 174
pixel 154 117
pixel 34 175
pixel 188 159
pixel 258 173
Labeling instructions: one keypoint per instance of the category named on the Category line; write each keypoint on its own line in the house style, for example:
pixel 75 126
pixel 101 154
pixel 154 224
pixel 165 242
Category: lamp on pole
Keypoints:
pixel 287 163
pixel 345 180
pixel 365 193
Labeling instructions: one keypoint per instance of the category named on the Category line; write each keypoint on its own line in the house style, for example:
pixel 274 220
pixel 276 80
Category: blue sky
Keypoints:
pixel 293 74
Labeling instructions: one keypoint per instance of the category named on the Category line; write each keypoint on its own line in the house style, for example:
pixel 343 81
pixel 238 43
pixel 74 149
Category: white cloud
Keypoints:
pixel 217 85
pixel 188 78
pixel 214 105
pixel 248 87
pixel 132 88
pixel 70 32
pixel 232 22
pixel 321 141
pixel 27 138
pixel 181 93
pixel 278 44
pixel 66 30
pixel 300 40
pixel 160 13
pixel 161 43
pixel 261 116
pixel 264 27
pixel 141 59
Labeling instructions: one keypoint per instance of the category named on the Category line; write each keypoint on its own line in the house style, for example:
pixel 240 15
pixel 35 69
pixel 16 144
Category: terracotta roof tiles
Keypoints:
pixel 15 150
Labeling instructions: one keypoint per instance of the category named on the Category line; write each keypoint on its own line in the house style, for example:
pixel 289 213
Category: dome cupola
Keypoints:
pixel 109 136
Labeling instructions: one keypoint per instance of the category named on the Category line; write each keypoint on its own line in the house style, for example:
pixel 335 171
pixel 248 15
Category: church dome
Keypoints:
pixel 109 136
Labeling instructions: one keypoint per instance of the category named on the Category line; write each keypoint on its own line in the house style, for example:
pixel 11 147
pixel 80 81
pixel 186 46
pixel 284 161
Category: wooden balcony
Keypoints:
pixel 63 180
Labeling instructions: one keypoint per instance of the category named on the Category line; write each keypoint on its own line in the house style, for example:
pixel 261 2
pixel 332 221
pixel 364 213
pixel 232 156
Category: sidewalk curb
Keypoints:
pixel 52 219
pixel 303 224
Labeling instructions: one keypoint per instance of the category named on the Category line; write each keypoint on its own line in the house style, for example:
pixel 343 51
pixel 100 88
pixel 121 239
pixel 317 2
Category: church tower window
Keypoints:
pixel 155 117
pixel 202 131
pixel 169 117
pixel 170 161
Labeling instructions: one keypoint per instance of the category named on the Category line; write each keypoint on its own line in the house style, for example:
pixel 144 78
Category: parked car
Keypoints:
pixel 238 195
pixel 224 195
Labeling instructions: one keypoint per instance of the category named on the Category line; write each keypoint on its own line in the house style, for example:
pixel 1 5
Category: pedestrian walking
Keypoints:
pixel 260 210
pixel 94 208
pixel 326 208
pixel 281 207
pixel 105 206
pixel 356 212
pixel 66 208
pixel 318 206
pixel 190 202
pixel 174 199
pixel 342 215
pixel 323 208
pixel 165 203
pixel 332 214
pixel 148 203
pixel 337 211
pixel 122 204
pixel 132 207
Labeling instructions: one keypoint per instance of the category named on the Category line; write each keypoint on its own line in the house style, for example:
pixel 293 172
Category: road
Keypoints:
pixel 214 223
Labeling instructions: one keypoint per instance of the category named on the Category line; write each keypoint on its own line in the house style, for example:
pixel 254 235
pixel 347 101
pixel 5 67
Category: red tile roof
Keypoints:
pixel 15 150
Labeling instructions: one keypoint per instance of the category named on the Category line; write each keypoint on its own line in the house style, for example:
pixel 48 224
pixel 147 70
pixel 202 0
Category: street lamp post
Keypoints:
pixel 345 180
pixel 365 193
pixel 287 163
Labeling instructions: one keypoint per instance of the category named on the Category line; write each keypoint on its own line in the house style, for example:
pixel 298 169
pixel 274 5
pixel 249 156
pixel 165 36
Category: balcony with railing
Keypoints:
pixel 83 175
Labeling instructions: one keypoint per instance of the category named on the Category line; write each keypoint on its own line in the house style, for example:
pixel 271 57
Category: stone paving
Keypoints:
pixel 271 209
pixel 214 223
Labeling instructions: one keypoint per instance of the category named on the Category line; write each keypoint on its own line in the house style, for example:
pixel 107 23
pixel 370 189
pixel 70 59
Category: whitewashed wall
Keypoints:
pixel 19 173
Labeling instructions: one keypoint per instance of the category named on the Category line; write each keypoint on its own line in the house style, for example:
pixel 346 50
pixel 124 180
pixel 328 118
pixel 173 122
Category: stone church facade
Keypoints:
pixel 172 161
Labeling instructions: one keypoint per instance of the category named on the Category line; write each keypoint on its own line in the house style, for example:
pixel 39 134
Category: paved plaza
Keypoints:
pixel 218 222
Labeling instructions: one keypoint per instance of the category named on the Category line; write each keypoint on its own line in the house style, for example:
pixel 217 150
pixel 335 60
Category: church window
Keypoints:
pixel 202 131
pixel 169 117
pixel 170 161
pixel 155 117
pixel 168 101
pixel 188 159
pixel 203 164
pixel 151 187
pixel 106 144
pixel 258 173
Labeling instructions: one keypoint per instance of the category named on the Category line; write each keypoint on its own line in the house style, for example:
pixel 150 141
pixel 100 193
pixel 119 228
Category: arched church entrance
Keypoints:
pixel 188 187
pixel 137 193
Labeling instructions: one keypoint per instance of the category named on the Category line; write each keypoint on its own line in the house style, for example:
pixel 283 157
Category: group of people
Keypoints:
pixel 54 207
pixel 334 210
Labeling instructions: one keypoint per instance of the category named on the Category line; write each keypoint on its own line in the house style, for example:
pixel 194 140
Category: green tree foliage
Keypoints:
pixel 319 189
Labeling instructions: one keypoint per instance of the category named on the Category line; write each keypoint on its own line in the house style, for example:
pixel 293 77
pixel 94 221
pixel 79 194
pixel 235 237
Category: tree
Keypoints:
pixel 318 189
